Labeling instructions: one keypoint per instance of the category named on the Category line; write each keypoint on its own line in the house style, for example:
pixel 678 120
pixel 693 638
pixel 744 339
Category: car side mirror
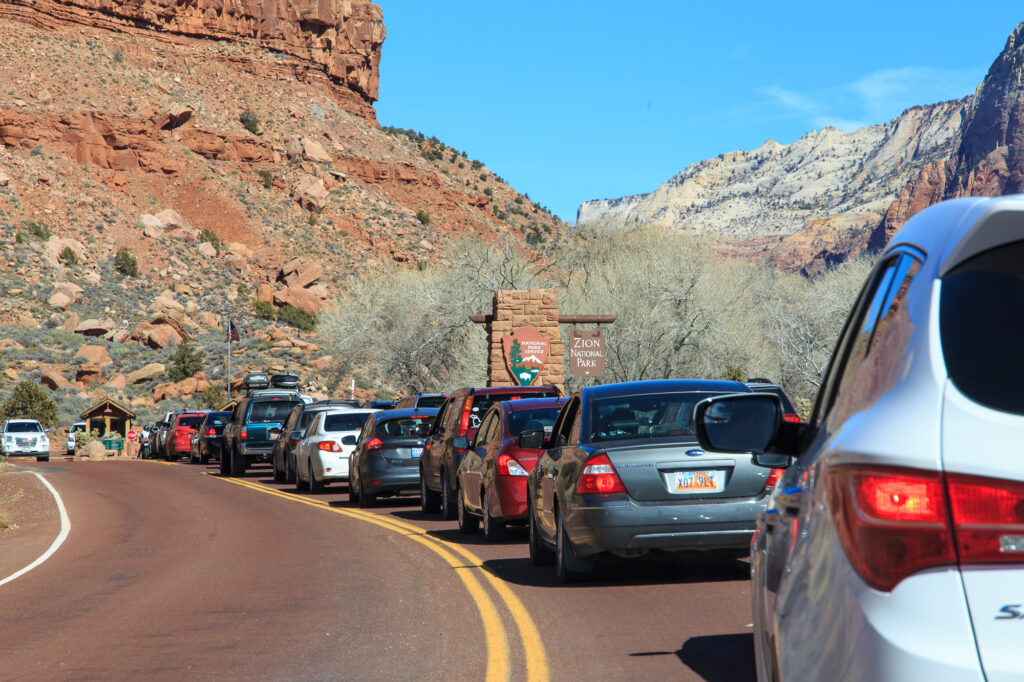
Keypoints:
pixel 273 434
pixel 741 422
pixel 348 440
pixel 460 443
pixel 532 440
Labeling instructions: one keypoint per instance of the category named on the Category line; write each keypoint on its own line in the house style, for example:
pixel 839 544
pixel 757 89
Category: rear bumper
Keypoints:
pixel 511 498
pixel 620 524
pixel 261 453
pixel 391 477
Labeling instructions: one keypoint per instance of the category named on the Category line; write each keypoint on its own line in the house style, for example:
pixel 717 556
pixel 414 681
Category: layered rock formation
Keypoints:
pixel 341 38
pixel 830 195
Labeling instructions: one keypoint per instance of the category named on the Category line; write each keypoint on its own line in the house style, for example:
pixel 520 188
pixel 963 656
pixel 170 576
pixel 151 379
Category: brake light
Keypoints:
pixel 773 478
pixel 988 517
pixel 211 432
pixel 891 522
pixel 599 477
pixel 791 418
pixel 328 446
pixel 467 410
pixel 243 435
pixel 508 466
pixel 374 444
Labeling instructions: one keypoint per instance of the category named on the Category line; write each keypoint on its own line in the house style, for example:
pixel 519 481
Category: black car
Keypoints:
pixel 283 456
pixel 209 440
pixel 422 400
pixel 387 456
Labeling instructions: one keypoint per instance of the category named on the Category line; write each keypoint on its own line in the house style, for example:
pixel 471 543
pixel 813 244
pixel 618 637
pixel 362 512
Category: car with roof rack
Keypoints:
pixel 256 421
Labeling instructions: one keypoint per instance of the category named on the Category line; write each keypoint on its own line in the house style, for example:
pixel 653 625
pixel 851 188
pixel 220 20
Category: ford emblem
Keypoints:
pixel 694 452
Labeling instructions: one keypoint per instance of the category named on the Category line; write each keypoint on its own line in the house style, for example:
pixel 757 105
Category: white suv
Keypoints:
pixel 77 427
pixel 25 437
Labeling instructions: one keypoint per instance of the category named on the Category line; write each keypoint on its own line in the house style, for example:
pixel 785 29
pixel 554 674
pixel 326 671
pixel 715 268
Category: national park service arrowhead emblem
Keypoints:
pixel 526 351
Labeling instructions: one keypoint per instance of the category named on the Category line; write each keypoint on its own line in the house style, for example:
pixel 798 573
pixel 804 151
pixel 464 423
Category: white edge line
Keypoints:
pixel 65 528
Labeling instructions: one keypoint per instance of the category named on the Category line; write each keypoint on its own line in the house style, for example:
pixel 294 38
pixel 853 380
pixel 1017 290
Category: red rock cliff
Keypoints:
pixel 341 37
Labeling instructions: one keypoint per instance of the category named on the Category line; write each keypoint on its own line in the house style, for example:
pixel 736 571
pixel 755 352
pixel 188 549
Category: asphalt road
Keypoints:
pixel 172 572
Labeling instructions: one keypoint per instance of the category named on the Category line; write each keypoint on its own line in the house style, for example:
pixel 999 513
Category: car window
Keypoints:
pixel 879 348
pixel 429 401
pixel 190 420
pixel 23 427
pixel 486 432
pixel 400 428
pixel 981 327
pixel 270 411
pixel 532 420
pixel 344 422
pixel 650 415
pixel 567 422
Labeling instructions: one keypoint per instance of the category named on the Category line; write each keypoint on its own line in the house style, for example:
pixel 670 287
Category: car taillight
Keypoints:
pixel 211 432
pixel 467 410
pixel 891 522
pixel 988 518
pixel 374 444
pixel 508 466
pixel 599 476
pixel 328 446
pixel 791 418
pixel 773 478
pixel 243 435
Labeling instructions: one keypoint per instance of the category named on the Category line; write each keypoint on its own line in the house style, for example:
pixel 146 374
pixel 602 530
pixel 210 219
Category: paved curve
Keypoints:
pixel 140 588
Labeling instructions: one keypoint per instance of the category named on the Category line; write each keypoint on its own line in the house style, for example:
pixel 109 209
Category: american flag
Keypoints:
pixel 233 334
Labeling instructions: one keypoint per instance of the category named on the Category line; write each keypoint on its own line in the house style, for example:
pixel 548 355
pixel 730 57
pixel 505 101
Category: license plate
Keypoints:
pixel 697 481
pixel 416 452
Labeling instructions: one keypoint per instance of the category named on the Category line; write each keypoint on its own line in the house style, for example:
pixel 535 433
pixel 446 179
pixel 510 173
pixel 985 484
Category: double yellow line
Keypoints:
pixel 468 568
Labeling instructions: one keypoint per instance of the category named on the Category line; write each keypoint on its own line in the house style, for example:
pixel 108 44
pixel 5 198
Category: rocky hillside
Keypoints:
pixel 830 194
pixel 234 154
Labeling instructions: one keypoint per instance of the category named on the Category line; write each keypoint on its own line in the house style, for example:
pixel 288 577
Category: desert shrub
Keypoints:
pixel 211 237
pixel 69 257
pixel 297 317
pixel 268 178
pixel 186 361
pixel 37 230
pixel 264 310
pixel 476 165
pixel 29 402
pixel 125 263
pixel 423 217
pixel 212 398
pixel 249 120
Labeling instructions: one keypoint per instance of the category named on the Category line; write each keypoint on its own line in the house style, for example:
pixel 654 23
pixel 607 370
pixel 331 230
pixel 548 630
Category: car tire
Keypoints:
pixel 300 485
pixel 237 464
pixel 494 531
pixel 540 554
pixel 192 459
pixel 289 470
pixel 315 487
pixel 204 459
pixel 467 524
pixel 225 463
pixel 366 499
pixel 430 502
pixel 353 492
pixel 568 568
pixel 43 458
pixel 448 503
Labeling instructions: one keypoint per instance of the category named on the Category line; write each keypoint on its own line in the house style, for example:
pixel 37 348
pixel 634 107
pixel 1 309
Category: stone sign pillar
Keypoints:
pixel 515 310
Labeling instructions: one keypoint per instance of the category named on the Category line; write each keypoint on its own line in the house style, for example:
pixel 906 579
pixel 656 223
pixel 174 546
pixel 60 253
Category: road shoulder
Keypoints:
pixel 31 508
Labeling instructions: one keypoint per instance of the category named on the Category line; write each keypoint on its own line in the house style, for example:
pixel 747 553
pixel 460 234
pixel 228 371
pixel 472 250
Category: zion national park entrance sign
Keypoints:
pixel 524 343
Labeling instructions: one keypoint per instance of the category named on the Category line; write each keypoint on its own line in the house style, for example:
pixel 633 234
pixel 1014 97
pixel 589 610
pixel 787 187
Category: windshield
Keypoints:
pixel 76 428
pixel 644 416
pixel 191 420
pixel 218 418
pixel 430 401
pixel 481 403
pixel 24 427
pixel 402 427
pixel 344 422
pixel 532 420
pixel 270 411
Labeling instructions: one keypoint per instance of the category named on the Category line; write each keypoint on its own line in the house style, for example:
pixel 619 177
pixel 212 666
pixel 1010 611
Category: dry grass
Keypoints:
pixel 6 520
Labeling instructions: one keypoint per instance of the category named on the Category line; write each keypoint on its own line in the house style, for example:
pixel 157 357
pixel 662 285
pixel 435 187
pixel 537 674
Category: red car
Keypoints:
pixel 179 435
pixel 492 475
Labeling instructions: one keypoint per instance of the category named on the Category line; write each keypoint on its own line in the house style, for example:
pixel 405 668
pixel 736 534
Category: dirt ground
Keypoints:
pixel 29 506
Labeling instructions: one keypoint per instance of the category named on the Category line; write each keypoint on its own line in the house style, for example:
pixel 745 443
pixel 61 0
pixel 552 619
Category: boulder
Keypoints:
pixel 69 289
pixel 94 355
pixel 264 293
pixel 172 116
pixel 150 371
pixel 87 374
pixel 311 194
pixel 166 303
pixel 5 179
pixel 54 380
pixel 300 298
pixel 293 148
pixel 304 275
pixel 207 250
pixel 119 335
pixel 59 301
pixel 92 452
pixel 117 382
pixel 312 151
pixel 209 320
pixel 70 323
pixel 95 327
pixel 237 262
pixel 158 335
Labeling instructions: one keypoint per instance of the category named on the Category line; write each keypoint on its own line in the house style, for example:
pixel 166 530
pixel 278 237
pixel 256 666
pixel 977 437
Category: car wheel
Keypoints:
pixel 567 567
pixel 448 511
pixel 429 501
pixel 237 464
pixel 366 499
pixel 353 492
pixel 299 483
pixel 315 487
pixel 192 459
pixel 540 554
pixel 43 458
pixel 225 463
pixel 494 531
pixel 289 470
pixel 467 524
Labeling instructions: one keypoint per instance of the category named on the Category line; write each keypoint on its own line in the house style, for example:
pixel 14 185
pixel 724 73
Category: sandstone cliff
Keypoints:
pixel 340 38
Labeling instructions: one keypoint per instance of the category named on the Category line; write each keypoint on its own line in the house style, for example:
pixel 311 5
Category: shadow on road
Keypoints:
pixel 719 658
pixel 689 568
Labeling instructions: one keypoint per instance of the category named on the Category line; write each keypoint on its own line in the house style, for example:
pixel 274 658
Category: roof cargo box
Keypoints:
pixel 285 380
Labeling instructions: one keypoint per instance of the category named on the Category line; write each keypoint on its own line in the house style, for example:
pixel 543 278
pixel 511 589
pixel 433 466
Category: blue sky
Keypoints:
pixel 570 101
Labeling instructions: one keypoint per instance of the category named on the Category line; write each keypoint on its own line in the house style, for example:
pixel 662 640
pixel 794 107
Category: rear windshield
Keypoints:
pixel 644 416
pixel 76 428
pixel 430 401
pixel 402 427
pixel 270 411
pixel 786 405
pixel 982 327
pixel 218 419
pixel 481 403
pixel 192 420
pixel 532 420
pixel 344 422
pixel 24 427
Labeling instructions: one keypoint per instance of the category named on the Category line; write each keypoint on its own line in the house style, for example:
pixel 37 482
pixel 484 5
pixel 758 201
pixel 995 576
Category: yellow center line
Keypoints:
pixel 498 667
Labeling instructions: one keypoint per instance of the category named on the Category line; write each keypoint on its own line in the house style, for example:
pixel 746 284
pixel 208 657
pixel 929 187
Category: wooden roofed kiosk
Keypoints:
pixel 107 416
